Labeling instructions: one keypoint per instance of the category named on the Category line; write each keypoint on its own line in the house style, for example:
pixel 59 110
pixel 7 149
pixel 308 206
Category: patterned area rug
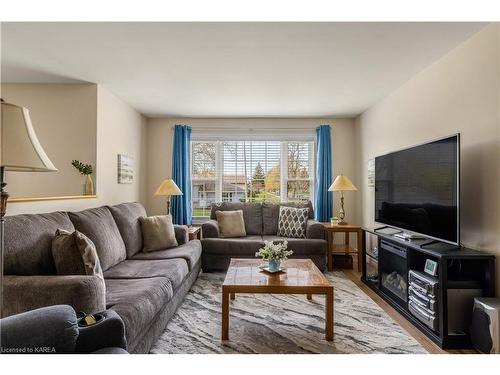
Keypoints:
pixel 261 323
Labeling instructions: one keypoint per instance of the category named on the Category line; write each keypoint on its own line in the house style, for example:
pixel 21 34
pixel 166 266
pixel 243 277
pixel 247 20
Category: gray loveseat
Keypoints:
pixel 145 289
pixel 261 224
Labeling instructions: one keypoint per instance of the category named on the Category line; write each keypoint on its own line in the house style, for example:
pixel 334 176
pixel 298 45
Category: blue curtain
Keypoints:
pixel 323 200
pixel 181 154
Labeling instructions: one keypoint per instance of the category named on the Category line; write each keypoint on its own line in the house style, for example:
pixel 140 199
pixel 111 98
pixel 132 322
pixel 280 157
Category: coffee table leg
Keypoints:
pixel 309 296
pixel 225 314
pixel 329 315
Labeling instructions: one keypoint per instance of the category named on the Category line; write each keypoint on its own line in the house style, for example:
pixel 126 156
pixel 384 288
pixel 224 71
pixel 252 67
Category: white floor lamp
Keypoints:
pixel 20 151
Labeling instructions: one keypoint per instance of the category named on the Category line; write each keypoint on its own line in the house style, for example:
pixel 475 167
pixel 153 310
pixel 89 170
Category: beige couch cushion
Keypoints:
pixel 231 223
pixel 158 233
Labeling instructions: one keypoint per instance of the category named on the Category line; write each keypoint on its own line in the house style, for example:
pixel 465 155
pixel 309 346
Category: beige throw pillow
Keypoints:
pixel 75 254
pixel 231 223
pixel 158 233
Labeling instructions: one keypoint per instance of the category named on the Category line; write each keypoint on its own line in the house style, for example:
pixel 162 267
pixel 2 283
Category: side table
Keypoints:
pixel 345 248
pixel 194 233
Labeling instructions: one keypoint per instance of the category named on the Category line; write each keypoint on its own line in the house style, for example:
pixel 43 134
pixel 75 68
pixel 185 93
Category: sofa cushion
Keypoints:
pixel 98 225
pixel 252 214
pixel 137 301
pixel 28 242
pixel 271 213
pixel 190 251
pixel 173 269
pixel 127 216
pixel 292 222
pixel 75 254
pixel 231 223
pixel 248 245
pixel 301 246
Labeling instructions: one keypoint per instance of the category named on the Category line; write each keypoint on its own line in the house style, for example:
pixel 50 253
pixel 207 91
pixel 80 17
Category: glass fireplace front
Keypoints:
pixel 394 271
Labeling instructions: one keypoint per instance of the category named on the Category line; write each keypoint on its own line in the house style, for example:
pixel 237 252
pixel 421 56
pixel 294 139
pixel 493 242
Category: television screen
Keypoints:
pixel 416 189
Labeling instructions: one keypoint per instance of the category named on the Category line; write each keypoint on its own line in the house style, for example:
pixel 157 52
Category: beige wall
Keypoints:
pixel 160 149
pixel 120 129
pixel 64 117
pixel 458 93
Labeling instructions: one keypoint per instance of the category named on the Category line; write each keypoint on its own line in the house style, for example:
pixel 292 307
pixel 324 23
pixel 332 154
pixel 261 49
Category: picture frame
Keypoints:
pixel 125 169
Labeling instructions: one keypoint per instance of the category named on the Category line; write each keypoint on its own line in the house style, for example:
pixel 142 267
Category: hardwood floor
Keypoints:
pixel 432 348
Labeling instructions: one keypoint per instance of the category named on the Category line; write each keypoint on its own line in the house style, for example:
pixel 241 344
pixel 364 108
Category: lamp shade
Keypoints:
pixel 342 183
pixel 168 187
pixel 20 148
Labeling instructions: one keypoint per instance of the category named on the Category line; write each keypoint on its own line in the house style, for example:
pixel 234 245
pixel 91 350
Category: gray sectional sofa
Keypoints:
pixel 261 224
pixel 145 289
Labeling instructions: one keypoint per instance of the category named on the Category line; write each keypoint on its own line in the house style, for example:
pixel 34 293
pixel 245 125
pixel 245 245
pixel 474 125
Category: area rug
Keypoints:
pixel 261 323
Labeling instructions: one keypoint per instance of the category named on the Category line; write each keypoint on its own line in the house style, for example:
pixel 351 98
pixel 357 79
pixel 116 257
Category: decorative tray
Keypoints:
pixel 265 268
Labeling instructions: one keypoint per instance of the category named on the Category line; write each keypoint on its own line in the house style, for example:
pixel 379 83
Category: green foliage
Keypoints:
pixel 258 178
pixel 84 169
pixel 258 173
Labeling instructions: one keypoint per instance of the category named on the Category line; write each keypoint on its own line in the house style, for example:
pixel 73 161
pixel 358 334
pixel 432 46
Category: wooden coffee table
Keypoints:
pixel 301 277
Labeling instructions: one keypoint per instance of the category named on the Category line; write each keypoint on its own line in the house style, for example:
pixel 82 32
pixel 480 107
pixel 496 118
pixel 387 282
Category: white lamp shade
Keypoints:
pixel 168 187
pixel 20 148
pixel 342 183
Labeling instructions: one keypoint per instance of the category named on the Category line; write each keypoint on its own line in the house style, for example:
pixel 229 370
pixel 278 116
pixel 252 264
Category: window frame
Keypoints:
pixel 284 178
pixel 284 167
pixel 215 179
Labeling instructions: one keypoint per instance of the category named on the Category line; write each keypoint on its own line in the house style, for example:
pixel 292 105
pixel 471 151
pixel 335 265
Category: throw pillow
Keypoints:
pixel 158 233
pixel 292 222
pixel 75 254
pixel 231 223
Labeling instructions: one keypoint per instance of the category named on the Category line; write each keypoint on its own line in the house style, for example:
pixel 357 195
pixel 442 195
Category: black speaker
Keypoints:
pixel 485 325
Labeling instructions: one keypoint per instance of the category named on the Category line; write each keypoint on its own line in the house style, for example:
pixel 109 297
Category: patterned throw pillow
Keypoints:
pixel 292 222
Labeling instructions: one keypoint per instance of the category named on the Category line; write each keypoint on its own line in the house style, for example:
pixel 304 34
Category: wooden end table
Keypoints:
pixel 301 277
pixel 345 248
pixel 194 233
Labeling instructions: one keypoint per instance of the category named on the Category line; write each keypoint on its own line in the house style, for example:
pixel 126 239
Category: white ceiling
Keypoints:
pixel 231 69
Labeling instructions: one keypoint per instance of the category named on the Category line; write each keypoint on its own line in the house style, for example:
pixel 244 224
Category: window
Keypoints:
pixel 250 171
pixel 203 177
pixel 298 185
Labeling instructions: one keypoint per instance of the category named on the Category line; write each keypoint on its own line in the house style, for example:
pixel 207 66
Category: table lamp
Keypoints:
pixel 342 183
pixel 20 151
pixel 168 188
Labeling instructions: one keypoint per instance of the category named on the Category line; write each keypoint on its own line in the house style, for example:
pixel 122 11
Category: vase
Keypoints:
pixel 274 265
pixel 89 185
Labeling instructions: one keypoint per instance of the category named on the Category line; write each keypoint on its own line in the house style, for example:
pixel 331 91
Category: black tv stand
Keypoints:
pixel 439 245
pixel 462 274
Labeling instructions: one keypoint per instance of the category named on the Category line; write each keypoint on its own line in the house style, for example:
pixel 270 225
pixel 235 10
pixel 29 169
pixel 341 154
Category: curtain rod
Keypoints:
pixel 247 129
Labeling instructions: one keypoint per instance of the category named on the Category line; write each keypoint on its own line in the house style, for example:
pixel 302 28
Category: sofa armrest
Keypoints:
pixel 51 329
pixel 315 230
pixel 181 234
pixel 110 333
pixel 24 293
pixel 210 229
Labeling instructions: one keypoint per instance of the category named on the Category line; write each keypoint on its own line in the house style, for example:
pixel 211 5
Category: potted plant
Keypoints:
pixel 274 253
pixel 86 170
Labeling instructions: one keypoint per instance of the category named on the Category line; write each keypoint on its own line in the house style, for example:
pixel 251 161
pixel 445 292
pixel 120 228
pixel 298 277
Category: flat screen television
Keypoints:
pixel 417 189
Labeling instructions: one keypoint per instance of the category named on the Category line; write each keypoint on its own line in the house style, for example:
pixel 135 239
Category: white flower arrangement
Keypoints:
pixel 274 251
